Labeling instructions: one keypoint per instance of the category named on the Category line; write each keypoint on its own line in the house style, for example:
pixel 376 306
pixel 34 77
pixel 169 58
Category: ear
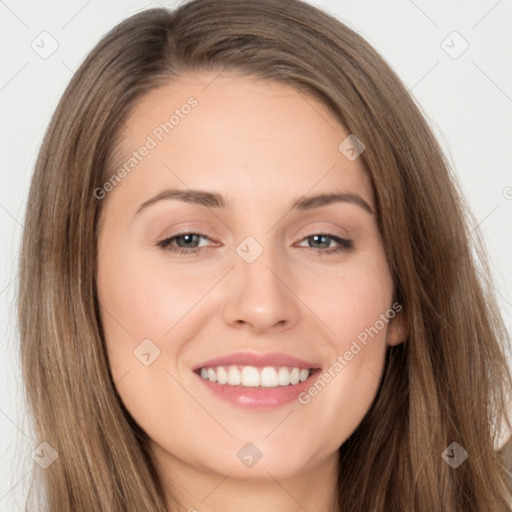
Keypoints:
pixel 398 329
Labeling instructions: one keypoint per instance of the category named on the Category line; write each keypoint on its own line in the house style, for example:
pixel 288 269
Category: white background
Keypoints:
pixel 467 100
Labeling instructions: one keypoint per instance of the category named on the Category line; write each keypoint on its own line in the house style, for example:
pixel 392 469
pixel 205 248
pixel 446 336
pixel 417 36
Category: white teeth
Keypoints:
pixel 303 375
pixel 222 375
pixel 268 377
pixel 250 376
pixel 283 377
pixel 234 376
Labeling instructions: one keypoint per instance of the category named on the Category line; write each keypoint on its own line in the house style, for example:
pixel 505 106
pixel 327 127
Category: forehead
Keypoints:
pixel 247 136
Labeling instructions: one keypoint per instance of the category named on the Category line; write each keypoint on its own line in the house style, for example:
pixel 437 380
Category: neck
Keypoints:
pixel 195 490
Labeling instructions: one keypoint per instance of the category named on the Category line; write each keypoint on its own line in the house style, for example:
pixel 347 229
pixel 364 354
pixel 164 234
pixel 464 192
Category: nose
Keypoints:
pixel 261 296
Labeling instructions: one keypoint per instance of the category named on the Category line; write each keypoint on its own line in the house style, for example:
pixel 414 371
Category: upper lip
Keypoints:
pixel 258 360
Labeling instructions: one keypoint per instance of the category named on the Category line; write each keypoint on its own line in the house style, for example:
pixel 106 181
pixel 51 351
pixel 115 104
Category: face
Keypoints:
pixel 245 294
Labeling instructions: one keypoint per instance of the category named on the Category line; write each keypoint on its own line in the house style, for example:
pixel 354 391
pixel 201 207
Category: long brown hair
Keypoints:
pixel 448 382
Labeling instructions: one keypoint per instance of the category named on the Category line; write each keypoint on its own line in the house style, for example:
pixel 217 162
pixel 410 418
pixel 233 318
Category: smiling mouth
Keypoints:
pixel 255 377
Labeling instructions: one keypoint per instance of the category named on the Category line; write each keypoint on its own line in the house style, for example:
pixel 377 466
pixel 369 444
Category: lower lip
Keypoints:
pixel 258 398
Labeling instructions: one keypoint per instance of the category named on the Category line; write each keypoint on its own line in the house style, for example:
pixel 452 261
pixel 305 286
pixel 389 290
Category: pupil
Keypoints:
pixel 188 238
pixel 317 238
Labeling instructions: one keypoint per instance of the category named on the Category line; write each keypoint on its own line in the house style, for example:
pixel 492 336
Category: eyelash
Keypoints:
pixel 344 244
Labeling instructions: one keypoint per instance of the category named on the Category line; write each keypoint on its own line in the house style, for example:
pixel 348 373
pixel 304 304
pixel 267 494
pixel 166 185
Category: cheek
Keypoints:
pixel 143 300
pixel 360 312
pixel 352 300
pixel 141 303
pixel 358 309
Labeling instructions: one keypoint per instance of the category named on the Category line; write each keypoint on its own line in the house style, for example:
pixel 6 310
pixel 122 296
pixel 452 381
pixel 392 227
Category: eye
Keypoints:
pixel 187 243
pixel 325 245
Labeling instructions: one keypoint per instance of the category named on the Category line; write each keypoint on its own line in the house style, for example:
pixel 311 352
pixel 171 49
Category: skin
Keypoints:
pixel 261 145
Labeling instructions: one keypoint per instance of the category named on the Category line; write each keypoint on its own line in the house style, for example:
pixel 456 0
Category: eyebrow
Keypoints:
pixel 215 200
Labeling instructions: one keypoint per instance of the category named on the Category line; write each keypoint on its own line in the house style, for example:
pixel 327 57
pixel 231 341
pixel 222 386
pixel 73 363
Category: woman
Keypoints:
pixel 255 369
